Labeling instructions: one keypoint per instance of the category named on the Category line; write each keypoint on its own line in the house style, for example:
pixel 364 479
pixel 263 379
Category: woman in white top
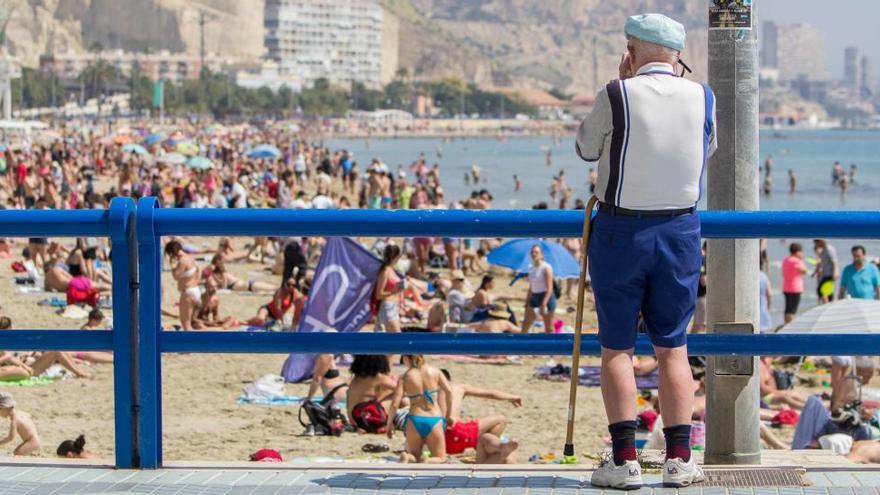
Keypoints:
pixel 541 296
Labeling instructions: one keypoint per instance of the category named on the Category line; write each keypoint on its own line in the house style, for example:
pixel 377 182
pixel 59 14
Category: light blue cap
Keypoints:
pixel 657 29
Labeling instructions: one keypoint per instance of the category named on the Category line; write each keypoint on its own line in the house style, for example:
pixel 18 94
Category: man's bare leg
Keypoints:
pixel 494 424
pixel 491 450
pixel 676 386
pixel 619 385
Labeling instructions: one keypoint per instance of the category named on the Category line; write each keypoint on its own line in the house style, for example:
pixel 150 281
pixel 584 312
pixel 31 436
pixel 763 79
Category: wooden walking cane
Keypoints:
pixel 569 456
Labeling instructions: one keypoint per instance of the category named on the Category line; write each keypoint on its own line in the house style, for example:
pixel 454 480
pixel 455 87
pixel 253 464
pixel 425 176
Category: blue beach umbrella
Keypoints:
pixel 264 151
pixel 135 148
pixel 154 138
pixel 515 255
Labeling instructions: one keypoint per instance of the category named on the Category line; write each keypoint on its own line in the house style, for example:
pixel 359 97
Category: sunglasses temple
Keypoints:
pixel 685 68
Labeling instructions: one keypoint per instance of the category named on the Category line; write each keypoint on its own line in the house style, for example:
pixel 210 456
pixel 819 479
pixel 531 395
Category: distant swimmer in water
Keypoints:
pixel 836 173
pixel 843 182
pixel 548 157
pixel 768 185
pixel 475 173
pixel 517 185
pixel 792 182
pixel 594 177
pixel 768 165
pixel 852 173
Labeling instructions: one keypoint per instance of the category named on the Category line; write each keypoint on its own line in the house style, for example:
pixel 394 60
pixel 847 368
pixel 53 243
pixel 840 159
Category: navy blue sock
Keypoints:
pixel 623 441
pixel 678 442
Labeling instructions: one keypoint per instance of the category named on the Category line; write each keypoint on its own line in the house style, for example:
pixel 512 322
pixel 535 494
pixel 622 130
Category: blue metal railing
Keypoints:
pixel 138 342
pixel 114 223
pixel 154 223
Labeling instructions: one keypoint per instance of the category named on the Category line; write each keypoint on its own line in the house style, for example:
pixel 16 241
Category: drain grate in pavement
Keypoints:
pixel 749 478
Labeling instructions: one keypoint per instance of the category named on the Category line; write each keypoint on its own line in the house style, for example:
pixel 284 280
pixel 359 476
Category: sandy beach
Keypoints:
pixel 202 420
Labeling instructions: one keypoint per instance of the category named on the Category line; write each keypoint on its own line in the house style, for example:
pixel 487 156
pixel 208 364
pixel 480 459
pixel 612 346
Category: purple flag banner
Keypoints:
pixel 339 298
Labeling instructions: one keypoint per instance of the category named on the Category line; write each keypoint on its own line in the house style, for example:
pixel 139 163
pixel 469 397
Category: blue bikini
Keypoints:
pixel 424 425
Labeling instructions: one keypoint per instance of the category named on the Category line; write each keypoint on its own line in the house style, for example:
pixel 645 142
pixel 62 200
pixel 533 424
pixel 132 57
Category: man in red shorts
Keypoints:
pixel 483 434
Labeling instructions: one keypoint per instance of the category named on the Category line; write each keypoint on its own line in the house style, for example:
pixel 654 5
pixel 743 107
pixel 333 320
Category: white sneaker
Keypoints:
pixel 627 476
pixel 679 474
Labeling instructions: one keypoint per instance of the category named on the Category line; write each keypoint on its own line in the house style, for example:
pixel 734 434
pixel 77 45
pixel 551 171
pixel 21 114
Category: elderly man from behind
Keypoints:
pixel 651 132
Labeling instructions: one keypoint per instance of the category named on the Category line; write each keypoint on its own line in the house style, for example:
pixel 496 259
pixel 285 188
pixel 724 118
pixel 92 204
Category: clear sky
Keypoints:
pixel 845 22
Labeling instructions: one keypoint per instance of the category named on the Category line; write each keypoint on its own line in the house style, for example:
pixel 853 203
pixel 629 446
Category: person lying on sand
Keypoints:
pixel 865 452
pixel 24 365
pixel 482 434
pixel 96 322
pixel 228 253
pixel 74 449
pixel 225 280
pixel 21 424
pixel 497 321
pixel 771 394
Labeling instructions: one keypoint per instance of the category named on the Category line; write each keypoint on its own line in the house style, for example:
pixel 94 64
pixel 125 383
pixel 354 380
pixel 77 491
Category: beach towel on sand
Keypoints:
pixel 28 382
pixel 284 400
pixel 589 376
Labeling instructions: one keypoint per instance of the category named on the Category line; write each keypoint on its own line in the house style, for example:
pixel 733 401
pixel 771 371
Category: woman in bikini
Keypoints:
pixel 421 384
pixel 388 291
pixel 188 276
pixel 228 281
pixel 57 274
pixel 325 375
pixel 288 296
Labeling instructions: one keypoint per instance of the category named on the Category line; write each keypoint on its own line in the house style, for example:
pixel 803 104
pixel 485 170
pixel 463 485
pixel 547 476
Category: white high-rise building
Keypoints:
pixel 338 40
pixel 800 52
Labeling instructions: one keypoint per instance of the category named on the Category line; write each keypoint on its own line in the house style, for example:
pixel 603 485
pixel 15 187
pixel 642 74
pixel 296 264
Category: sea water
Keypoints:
pixel 810 154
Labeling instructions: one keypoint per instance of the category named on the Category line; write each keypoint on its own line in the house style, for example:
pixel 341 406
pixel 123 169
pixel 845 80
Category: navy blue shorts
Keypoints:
pixel 649 265
pixel 536 298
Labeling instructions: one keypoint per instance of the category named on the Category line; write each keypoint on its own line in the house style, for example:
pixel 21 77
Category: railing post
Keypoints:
pixel 124 252
pixel 149 359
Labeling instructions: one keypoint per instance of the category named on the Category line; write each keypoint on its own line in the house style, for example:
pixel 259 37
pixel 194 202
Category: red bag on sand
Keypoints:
pixel 18 267
pixel 266 455
pixel 370 416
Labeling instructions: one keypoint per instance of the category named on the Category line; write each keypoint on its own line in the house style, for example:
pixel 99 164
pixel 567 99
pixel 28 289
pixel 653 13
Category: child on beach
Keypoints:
pixel 20 423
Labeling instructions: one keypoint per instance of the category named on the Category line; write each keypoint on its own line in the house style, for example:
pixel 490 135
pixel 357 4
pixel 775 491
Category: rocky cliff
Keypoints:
pixel 233 28
pixel 546 43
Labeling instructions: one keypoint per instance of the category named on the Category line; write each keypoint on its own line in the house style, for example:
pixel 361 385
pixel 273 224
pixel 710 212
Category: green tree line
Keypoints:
pixel 217 94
